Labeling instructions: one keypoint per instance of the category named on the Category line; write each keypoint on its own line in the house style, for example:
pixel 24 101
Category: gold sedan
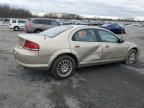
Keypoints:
pixel 61 49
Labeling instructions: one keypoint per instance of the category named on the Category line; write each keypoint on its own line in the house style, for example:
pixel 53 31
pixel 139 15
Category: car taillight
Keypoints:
pixel 31 45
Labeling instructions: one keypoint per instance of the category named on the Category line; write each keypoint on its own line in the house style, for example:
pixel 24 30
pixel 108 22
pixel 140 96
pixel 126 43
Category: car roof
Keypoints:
pixel 18 19
pixel 84 27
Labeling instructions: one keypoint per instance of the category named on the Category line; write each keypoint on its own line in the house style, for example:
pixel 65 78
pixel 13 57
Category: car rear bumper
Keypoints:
pixel 30 60
pixel 29 30
pixel 33 66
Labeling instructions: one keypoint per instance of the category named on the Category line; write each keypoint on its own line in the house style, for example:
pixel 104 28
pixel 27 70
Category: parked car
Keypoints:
pixel 37 25
pixel 6 21
pixel 116 28
pixel 17 24
pixel 61 49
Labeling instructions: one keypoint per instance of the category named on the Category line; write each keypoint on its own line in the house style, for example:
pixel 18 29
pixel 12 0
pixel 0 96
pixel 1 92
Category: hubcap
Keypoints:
pixel 64 68
pixel 132 58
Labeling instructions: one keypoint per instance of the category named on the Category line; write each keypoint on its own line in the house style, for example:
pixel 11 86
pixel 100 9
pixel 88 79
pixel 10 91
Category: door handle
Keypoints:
pixel 107 46
pixel 77 46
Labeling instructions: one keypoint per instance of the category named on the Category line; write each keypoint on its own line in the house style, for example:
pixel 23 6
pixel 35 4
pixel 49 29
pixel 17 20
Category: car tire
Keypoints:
pixel 131 57
pixel 16 28
pixel 63 67
pixel 37 31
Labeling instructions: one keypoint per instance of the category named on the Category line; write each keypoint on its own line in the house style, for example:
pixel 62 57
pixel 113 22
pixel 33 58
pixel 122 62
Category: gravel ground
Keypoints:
pixel 105 86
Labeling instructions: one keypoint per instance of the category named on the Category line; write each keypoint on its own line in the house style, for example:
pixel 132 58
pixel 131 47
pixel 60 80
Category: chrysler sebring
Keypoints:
pixel 61 49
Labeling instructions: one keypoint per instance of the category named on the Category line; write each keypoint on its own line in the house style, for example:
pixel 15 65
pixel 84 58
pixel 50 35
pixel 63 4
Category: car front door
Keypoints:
pixel 86 48
pixel 112 48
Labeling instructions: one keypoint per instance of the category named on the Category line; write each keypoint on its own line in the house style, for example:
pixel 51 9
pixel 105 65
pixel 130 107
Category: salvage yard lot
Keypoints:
pixel 105 86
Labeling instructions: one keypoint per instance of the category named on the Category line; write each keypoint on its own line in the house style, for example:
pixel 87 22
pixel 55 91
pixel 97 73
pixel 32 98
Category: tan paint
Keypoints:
pixel 88 53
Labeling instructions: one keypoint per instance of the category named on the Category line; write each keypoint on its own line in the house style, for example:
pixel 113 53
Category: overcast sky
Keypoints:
pixel 117 8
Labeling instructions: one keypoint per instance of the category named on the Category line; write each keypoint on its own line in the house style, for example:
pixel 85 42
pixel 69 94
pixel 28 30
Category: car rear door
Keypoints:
pixel 87 49
pixel 112 48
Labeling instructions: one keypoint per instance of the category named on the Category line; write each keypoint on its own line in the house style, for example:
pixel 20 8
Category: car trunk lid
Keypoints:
pixel 30 41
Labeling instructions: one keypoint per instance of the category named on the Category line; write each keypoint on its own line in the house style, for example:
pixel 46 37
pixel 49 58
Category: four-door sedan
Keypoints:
pixel 115 28
pixel 63 48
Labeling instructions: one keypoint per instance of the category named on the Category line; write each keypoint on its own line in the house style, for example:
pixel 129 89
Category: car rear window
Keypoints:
pixel 53 32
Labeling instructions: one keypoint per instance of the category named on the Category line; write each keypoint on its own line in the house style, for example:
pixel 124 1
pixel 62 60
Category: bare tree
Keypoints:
pixel 6 12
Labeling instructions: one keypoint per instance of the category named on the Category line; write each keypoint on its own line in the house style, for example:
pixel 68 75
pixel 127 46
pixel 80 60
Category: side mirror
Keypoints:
pixel 121 40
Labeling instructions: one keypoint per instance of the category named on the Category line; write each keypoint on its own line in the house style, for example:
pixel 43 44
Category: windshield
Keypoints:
pixel 53 32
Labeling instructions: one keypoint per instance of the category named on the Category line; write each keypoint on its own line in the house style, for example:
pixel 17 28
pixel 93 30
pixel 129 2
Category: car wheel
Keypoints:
pixel 131 57
pixel 16 28
pixel 37 31
pixel 63 67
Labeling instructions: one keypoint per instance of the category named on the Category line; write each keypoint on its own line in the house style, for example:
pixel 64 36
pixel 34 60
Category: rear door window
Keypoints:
pixel 85 35
pixel 13 21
